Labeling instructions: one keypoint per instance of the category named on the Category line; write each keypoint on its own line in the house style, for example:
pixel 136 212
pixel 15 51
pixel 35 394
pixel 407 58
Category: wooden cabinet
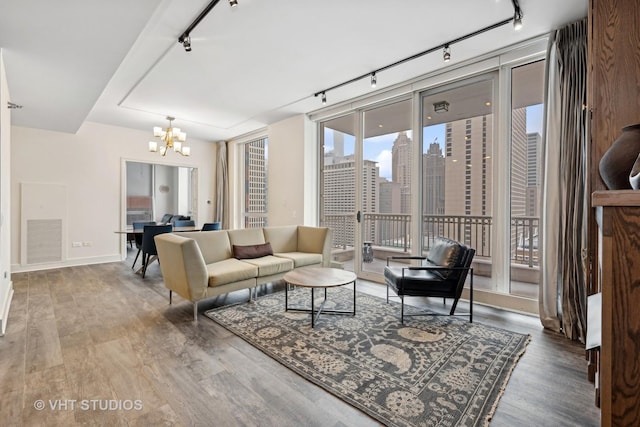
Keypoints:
pixel 618 274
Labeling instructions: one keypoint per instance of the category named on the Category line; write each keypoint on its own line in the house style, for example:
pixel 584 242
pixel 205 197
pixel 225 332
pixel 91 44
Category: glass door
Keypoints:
pixel 457 166
pixel 338 187
pixel 527 89
pixel 366 189
pixel 387 191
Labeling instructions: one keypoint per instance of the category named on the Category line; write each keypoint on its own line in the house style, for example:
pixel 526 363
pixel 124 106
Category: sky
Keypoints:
pixel 379 148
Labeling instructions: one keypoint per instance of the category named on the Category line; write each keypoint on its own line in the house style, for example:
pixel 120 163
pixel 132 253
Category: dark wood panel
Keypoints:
pixel 625 317
pixel 614 102
pixel 615 79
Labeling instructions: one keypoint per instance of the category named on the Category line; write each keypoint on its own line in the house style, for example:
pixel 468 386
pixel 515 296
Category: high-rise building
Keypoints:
pixel 339 198
pixel 533 173
pixel 433 178
pixel 255 181
pixel 468 166
pixel 519 162
pixel 401 169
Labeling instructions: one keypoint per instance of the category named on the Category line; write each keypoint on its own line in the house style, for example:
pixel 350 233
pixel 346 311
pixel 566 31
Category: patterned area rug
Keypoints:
pixel 431 371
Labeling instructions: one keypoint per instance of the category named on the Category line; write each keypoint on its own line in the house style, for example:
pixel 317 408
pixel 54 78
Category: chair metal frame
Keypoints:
pixel 455 291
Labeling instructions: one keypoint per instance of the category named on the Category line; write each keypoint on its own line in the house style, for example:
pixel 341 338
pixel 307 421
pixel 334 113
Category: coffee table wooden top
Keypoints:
pixel 319 277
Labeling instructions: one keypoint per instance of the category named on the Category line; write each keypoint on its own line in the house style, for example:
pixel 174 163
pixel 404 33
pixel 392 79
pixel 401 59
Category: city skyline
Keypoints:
pixel 379 148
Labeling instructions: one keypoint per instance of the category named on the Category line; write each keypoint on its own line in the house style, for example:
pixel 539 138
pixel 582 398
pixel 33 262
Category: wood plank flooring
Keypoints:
pixel 103 333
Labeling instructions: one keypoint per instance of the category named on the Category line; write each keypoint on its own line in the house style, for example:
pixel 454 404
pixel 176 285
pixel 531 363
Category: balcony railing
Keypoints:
pixel 393 231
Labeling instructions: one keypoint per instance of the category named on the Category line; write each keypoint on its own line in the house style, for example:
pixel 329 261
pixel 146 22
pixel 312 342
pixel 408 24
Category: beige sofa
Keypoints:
pixel 201 265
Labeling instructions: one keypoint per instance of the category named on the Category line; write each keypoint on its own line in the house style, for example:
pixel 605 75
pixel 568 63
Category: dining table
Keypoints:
pixel 129 231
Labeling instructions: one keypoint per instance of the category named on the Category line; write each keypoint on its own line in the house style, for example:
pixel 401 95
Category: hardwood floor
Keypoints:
pixel 103 333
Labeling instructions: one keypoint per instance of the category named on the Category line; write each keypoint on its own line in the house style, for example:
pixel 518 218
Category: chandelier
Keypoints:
pixel 171 138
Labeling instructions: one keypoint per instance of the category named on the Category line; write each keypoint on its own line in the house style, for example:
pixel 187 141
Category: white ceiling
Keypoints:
pixel 118 61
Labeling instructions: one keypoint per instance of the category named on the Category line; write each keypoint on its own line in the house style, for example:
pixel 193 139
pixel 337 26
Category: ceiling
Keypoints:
pixel 118 62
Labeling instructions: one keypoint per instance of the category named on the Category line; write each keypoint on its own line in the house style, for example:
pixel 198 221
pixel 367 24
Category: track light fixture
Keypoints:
pixel 446 50
pixel 186 43
pixel 233 3
pixel 446 53
pixel 517 15
pixel 184 38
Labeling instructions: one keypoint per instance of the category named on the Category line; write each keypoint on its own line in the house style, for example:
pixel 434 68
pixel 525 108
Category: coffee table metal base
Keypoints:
pixel 315 314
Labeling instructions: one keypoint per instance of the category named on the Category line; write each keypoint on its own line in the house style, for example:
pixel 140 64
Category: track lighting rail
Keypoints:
pixel 516 19
pixel 194 24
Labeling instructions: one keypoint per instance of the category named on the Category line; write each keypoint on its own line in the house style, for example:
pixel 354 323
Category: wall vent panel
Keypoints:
pixel 43 225
pixel 44 240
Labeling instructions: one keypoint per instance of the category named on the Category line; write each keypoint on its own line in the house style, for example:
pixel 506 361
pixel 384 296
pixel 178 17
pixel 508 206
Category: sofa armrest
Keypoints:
pixel 317 240
pixel 327 248
pixel 183 268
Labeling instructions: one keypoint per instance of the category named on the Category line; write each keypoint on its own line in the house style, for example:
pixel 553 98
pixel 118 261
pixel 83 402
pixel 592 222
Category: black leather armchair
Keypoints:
pixel 442 274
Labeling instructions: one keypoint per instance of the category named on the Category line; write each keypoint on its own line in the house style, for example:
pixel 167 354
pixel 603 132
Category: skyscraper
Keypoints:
pixel 533 174
pixel 255 181
pixel 401 169
pixel 433 180
pixel 468 166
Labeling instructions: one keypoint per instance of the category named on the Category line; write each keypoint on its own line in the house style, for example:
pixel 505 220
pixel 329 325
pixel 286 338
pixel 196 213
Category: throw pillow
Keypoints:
pixel 252 251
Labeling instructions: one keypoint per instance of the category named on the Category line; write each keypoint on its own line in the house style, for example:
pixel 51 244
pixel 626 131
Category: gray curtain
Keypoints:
pixel 563 282
pixel 222 186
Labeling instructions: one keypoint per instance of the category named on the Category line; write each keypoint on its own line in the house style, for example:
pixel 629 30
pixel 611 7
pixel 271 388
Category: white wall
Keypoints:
pixel 286 179
pixel 90 164
pixel 6 287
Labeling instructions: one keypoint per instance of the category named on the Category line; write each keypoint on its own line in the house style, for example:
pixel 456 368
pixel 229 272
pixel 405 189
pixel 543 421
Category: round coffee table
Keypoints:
pixel 318 277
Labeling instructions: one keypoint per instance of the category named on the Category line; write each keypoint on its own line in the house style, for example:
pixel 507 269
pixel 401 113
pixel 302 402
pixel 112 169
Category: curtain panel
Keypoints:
pixel 222 186
pixel 563 284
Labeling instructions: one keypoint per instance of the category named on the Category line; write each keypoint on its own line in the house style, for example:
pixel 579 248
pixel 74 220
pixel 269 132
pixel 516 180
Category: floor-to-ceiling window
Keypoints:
pixel 527 85
pixel 338 185
pixel 463 164
pixel 255 189
pixel 366 185
pixel 387 189
pixel 457 167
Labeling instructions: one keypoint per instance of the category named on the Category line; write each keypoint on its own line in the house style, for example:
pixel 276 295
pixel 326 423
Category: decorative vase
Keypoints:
pixel 618 160
pixel 634 175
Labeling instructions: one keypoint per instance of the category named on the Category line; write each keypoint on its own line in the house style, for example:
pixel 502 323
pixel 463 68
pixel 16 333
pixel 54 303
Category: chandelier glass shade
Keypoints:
pixel 170 138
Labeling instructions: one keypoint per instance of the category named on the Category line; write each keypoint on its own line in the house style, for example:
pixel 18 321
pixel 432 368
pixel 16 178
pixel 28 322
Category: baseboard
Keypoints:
pixel 503 301
pixel 18 268
pixel 5 304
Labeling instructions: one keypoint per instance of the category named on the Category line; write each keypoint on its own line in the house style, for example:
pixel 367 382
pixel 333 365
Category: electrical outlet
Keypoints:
pixel 86 243
pixel 76 244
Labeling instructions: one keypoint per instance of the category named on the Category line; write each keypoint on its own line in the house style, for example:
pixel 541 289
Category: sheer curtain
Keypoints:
pixel 222 185
pixel 564 198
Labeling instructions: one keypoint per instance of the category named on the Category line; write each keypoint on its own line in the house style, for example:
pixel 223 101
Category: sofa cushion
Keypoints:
pixel 246 236
pixel 311 239
pixel 230 270
pixel 214 245
pixel 252 251
pixel 301 259
pixel 269 265
pixel 282 239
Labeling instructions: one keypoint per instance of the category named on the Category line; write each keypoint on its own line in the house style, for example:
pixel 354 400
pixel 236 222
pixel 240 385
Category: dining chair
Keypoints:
pixel 208 226
pixel 149 244
pixel 184 223
pixel 166 218
pixel 139 225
